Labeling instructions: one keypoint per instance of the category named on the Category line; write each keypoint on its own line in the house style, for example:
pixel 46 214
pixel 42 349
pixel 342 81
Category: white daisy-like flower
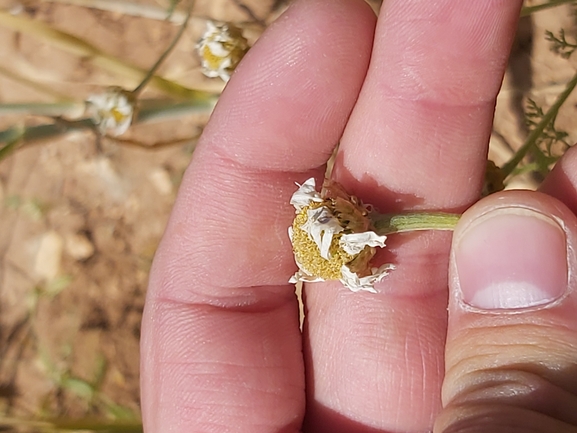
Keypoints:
pixel 221 49
pixel 330 241
pixel 112 110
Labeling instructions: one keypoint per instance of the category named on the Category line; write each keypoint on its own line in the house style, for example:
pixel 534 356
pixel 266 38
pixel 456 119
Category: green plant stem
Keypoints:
pixel 415 221
pixel 528 10
pixel 152 71
pixel 39 109
pixel 18 136
pixel 157 112
pixel 512 164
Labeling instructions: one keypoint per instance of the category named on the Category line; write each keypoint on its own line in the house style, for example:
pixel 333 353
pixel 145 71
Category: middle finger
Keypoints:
pixel 417 139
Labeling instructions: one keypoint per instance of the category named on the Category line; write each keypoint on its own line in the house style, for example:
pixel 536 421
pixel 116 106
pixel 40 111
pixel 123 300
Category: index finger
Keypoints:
pixel 221 347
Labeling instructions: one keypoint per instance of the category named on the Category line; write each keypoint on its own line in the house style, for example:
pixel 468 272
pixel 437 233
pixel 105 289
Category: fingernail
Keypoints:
pixel 511 258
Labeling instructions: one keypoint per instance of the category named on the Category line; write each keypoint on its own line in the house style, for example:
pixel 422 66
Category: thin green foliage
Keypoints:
pixel 551 143
pixel 82 48
pixel 546 122
pixel 560 44
pixel 546 143
pixel 53 288
pixel 88 391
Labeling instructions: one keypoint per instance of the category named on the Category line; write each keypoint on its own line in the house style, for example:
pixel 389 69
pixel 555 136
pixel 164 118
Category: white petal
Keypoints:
pixel 321 225
pixel 305 195
pixel 218 49
pixel 99 101
pixel 210 73
pixel 355 283
pixel 224 75
pixel 211 27
pixel 123 106
pixel 301 276
pixel 354 243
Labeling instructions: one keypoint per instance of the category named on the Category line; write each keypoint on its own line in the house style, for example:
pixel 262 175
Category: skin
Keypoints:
pixel 411 99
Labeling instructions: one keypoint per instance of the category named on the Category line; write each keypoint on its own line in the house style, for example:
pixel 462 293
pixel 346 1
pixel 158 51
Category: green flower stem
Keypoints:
pixel 417 221
pixel 528 10
pixel 153 111
pixel 512 164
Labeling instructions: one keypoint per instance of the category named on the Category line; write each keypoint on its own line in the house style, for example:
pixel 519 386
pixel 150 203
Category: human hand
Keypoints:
pixel 221 346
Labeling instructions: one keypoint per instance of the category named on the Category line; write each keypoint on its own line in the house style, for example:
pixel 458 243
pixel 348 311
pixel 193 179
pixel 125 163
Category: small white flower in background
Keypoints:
pixel 112 110
pixel 221 49
pixel 332 240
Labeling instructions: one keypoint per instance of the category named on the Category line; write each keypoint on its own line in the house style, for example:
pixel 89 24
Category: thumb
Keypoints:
pixel 511 353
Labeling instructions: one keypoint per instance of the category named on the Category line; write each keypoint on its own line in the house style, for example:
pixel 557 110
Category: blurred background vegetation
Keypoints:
pixel 82 211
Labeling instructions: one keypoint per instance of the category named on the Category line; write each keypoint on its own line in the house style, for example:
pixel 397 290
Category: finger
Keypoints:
pixel 561 183
pixel 417 139
pixel 512 337
pixel 221 348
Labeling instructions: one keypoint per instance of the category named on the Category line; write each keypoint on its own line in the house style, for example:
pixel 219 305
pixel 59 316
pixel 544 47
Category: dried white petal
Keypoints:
pixel 355 283
pixel 304 277
pixel 305 195
pixel 221 48
pixel 354 243
pixel 111 110
pixel 321 225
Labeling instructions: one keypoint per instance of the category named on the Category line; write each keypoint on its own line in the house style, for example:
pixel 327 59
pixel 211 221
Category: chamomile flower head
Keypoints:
pixel 112 110
pixel 332 238
pixel 221 48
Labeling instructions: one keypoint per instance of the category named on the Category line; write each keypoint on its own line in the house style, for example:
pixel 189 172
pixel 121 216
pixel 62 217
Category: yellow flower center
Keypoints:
pixel 117 115
pixel 212 59
pixel 308 255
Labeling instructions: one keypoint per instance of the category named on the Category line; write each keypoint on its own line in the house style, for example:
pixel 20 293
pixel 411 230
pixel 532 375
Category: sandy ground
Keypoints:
pixel 79 223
